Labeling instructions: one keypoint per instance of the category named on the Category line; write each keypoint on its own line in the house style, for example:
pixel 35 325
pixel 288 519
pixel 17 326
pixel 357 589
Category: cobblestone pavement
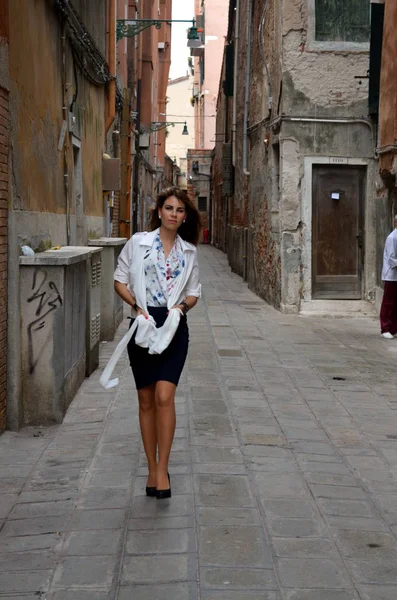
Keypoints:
pixel 284 470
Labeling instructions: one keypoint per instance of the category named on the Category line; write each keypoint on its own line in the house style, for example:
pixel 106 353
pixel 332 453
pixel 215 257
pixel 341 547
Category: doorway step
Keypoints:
pixel 338 308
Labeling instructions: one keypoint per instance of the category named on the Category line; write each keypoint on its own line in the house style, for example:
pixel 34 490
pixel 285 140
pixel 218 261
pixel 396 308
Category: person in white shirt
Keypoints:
pixel 388 313
pixel 158 276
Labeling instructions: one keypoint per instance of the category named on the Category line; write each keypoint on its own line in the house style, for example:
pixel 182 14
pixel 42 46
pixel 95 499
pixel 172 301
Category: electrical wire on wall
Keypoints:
pixel 76 82
pixel 86 53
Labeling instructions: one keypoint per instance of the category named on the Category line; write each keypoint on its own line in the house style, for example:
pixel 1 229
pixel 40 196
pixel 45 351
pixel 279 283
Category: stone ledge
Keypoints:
pixel 67 255
pixel 107 241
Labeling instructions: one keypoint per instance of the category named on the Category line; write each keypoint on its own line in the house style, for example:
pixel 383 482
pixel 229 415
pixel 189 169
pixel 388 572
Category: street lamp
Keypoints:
pixel 158 125
pixel 193 38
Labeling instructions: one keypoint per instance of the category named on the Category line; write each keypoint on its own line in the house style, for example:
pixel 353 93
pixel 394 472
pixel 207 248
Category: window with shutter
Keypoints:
pixel 342 20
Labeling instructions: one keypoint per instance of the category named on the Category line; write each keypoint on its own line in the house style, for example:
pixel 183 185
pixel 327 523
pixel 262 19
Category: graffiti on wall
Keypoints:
pixel 47 298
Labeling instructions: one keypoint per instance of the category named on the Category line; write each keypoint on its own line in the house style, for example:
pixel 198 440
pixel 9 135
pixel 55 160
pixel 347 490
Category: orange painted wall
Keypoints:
pixel 388 87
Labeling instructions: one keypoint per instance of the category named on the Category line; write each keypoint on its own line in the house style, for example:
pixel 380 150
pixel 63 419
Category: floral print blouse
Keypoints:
pixel 161 274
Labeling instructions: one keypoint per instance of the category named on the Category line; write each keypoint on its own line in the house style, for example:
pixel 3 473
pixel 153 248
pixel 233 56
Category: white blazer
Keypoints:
pixel 131 271
pixel 389 271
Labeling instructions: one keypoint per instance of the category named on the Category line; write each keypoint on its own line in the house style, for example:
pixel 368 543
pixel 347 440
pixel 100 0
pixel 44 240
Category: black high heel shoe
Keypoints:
pixel 151 492
pixel 163 494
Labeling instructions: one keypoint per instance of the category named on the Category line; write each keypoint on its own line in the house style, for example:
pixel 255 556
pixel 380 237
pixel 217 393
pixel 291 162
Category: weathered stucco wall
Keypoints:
pixel 38 168
pixel 93 14
pixel 316 81
pixel 36 108
pixel 53 329
pixel 319 84
pixel 315 142
pixel 291 76
pixel 38 171
pixel 263 247
pixel 4 184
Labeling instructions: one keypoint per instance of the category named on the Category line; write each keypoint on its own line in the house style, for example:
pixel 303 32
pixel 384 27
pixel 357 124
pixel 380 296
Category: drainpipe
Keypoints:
pixel 112 65
pixel 247 88
pixel 234 124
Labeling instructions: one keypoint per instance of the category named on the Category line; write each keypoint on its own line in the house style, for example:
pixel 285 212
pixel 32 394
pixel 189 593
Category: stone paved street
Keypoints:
pixel 283 471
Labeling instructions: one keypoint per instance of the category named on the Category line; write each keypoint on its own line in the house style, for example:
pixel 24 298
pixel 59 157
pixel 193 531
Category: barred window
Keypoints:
pixel 343 20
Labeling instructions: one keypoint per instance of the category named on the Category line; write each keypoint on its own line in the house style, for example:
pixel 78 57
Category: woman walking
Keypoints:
pixel 158 276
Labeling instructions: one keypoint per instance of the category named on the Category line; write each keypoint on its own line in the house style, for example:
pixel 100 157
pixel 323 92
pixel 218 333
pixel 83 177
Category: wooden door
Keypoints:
pixel 337 252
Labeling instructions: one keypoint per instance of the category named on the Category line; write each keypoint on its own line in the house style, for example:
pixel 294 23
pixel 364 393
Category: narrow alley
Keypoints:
pixel 283 471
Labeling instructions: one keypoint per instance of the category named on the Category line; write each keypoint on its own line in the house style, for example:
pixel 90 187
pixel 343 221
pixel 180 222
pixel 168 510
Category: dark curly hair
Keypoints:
pixel 190 230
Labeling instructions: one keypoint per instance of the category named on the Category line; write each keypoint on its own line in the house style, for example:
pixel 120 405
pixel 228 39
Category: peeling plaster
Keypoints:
pixel 295 16
pixel 327 78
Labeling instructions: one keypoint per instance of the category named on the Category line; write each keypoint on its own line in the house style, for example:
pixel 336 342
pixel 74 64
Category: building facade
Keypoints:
pixel 80 93
pixel 199 184
pixel 58 108
pixel 294 167
pixel 383 94
pixel 211 19
pixel 180 109
pixel 4 181
pixel 172 173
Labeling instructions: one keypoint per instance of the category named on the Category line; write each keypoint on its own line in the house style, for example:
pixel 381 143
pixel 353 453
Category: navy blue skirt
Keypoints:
pixel 168 366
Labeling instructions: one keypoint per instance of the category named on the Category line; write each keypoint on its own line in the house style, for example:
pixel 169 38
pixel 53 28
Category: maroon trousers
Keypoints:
pixel 388 312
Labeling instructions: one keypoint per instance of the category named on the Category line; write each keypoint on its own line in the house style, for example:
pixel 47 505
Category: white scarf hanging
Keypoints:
pixel 156 339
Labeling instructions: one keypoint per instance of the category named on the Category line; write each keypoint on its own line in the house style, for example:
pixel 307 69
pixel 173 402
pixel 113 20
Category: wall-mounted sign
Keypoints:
pixel 338 160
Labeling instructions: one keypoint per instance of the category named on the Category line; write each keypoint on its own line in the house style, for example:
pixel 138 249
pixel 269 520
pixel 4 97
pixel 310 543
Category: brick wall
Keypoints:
pixel 4 123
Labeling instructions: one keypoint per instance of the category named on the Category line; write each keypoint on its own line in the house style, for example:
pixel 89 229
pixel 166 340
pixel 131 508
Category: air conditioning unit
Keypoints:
pixel 161 46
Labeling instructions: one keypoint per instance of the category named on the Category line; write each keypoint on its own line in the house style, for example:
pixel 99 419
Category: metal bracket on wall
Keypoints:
pixel 131 28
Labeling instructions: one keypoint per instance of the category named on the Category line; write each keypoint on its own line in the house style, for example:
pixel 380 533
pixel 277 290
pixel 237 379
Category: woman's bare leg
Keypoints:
pixel 147 420
pixel 165 426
